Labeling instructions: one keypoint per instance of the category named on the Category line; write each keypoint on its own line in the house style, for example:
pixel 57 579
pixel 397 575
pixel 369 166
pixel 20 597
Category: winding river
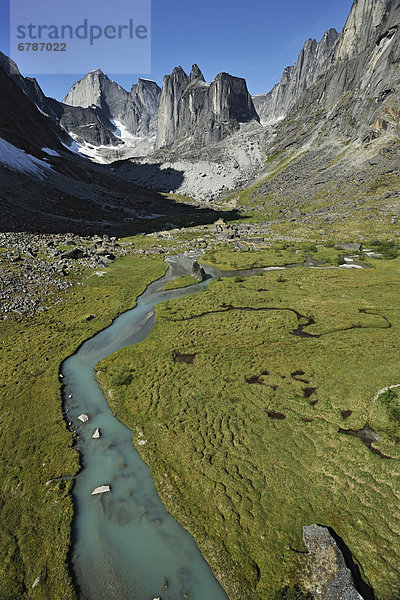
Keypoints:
pixel 125 543
pixel 126 546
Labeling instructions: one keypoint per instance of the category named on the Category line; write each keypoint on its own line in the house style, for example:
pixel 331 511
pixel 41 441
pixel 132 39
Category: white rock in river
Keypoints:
pixel 84 418
pixel 96 434
pixel 102 489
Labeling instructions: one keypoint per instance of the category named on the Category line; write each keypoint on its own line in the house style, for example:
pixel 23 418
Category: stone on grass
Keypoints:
pixel 349 246
pixel 326 575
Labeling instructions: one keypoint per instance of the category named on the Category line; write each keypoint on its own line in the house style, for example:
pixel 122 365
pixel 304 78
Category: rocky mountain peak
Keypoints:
pixel 89 90
pixel 366 18
pixel 136 110
pixel 313 60
pixel 196 74
pixel 178 78
pixel 354 93
pixel 145 83
pixel 195 113
pixel 8 65
pixel 145 89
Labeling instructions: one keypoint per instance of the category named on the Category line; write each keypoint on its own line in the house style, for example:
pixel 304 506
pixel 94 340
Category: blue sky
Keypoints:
pixel 256 39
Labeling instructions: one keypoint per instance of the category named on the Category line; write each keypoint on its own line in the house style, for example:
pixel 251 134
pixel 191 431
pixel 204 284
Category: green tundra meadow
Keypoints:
pixel 243 419
pixel 248 425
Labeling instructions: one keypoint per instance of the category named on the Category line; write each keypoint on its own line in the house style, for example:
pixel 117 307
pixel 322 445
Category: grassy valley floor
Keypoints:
pixel 35 445
pixel 246 423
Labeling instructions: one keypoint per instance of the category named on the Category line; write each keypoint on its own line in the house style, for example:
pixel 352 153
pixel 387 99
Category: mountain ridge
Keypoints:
pixel 136 109
pixel 312 61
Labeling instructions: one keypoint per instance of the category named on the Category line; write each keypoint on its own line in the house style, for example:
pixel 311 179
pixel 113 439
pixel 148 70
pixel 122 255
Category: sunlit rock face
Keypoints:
pixel 194 111
pixel 135 110
pixel 313 60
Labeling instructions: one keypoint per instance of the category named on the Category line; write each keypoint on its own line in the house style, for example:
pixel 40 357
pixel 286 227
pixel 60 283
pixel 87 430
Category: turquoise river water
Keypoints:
pixel 126 546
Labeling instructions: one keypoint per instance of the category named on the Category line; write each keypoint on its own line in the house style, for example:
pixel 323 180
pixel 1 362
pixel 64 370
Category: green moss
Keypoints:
pixel 35 445
pixel 181 282
pixel 245 483
pixel 227 258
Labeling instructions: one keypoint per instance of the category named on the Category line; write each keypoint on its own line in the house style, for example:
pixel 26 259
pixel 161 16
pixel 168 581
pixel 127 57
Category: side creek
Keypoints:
pixel 125 543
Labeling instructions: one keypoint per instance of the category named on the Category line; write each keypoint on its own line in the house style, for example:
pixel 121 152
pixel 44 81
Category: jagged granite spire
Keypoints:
pixel 197 112
pixel 136 110
pixel 196 74
pixel 312 61
pixel 357 95
pixel 365 19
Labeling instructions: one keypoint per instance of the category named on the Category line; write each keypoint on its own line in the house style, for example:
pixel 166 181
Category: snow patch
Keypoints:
pixel 123 134
pixel 88 151
pixel 40 110
pixel 104 154
pixel 18 160
pixel 50 152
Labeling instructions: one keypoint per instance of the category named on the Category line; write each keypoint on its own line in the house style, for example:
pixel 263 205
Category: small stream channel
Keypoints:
pixel 125 543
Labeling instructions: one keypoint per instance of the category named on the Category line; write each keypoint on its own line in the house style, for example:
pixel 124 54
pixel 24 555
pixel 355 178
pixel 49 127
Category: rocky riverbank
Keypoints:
pixel 36 269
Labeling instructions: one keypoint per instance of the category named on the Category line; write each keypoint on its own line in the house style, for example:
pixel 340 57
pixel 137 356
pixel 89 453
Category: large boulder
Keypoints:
pixel 198 272
pixel 74 254
pixel 102 489
pixel 326 575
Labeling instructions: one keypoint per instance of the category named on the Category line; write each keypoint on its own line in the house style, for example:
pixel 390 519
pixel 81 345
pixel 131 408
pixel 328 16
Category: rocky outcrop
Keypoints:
pixel 102 489
pixel 358 96
pixel 326 575
pixel 195 113
pixel 313 60
pixel 88 126
pixel 97 111
pixel 369 21
pixel 21 124
pixel 135 110
pixel 198 272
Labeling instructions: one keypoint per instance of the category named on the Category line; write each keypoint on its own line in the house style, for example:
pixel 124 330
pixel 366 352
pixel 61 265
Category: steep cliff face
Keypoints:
pixel 135 110
pixel 169 110
pixel 358 96
pixel 313 60
pixel 21 124
pixel 334 159
pixel 194 112
pixel 366 18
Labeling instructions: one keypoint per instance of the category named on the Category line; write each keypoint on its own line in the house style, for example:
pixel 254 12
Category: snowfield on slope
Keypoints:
pixel 18 160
